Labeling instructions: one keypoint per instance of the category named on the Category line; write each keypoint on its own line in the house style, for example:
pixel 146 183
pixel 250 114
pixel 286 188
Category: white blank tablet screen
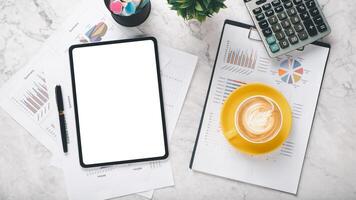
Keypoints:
pixel 118 102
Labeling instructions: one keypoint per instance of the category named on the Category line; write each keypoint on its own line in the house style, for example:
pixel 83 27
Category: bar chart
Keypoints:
pixel 241 61
pixel 34 99
pixel 224 88
pixel 242 58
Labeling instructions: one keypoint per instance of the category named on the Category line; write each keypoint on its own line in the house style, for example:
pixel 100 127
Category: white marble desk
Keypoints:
pixel 329 168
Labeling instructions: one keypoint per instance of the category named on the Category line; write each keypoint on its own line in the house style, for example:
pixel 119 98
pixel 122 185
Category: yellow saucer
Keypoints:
pixel 227 118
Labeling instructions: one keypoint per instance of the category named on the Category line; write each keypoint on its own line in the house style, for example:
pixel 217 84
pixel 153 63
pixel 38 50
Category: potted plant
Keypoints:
pixel 196 9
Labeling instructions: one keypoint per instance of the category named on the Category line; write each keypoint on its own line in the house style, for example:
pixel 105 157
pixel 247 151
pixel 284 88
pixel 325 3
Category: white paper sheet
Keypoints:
pixel 28 99
pixel 147 194
pixel 26 89
pixel 244 61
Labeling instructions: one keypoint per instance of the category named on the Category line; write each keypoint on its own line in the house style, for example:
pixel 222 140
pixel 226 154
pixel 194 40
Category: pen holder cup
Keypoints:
pixel 132 20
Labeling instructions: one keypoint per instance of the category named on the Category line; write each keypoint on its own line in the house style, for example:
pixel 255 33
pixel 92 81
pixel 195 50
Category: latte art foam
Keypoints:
pixel 258 119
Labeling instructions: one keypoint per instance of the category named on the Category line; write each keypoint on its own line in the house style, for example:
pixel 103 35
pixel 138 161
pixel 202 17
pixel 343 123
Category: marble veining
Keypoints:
pixel 329 168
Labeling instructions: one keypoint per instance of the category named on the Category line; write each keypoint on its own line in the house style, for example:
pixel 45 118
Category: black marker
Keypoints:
pixel 62 121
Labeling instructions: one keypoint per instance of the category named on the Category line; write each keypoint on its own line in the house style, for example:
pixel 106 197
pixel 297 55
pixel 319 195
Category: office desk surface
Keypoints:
pixel 329 168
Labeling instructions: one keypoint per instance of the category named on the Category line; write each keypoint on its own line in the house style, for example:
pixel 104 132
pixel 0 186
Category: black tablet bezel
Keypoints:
pixel 76 110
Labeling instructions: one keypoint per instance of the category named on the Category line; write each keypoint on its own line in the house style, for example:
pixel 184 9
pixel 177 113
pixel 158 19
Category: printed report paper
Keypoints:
pixel 297 75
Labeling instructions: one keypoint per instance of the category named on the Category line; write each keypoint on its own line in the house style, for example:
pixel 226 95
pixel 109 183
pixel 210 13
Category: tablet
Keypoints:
pixel 118 102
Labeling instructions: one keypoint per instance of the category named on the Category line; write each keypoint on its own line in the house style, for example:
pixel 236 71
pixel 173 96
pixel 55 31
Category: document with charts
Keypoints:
pixel 29 98
pixel 298 76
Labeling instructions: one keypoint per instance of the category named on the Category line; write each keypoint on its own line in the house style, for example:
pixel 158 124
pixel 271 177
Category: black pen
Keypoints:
pixel 62 122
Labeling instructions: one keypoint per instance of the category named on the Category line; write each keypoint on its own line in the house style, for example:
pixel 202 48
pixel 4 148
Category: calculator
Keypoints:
pixel 287 25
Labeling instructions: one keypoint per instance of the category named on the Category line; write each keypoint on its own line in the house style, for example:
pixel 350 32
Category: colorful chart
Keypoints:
pixel 35 97
pixel 227 86
pixel 241 58
pixel 290 71
pixel 95 33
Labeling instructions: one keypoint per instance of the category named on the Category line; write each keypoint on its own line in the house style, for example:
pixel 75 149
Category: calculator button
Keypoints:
pixel 284 44
pixel 257 11
pixel 322 28
pixel 310 4
pixel 279 9
pixel 314 12
pixel 267 32
pixel 285 23
pixel 295 19
pixel 276 28
pixel 274 48
pixel 303 35
pixel 301 8
pixel 298 27
pixel 259 2
pixel 280 35
pixel 289 31
pixel 267 6
pixel 318 20
pixel 282 15
pixel 272 20
pixel 288 4
pixel 276 2
pixel 310 27
pixel 291 12
pixel 271 40
pixel 296 2
pixel 260 17
pixel 263 24
pixel 269 13
pixel 293 39
pixel 304 16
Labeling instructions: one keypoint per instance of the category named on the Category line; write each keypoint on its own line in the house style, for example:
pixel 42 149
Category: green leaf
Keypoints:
pixel 198 7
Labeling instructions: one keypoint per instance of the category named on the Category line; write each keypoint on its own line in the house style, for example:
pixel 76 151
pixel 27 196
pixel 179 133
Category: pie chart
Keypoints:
pixel 290 71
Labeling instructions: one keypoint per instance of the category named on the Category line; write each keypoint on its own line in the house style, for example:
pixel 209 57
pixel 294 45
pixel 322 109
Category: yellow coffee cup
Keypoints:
pixel 256 119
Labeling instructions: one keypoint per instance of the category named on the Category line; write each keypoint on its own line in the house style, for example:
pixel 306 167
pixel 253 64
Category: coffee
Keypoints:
pixel 258 119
